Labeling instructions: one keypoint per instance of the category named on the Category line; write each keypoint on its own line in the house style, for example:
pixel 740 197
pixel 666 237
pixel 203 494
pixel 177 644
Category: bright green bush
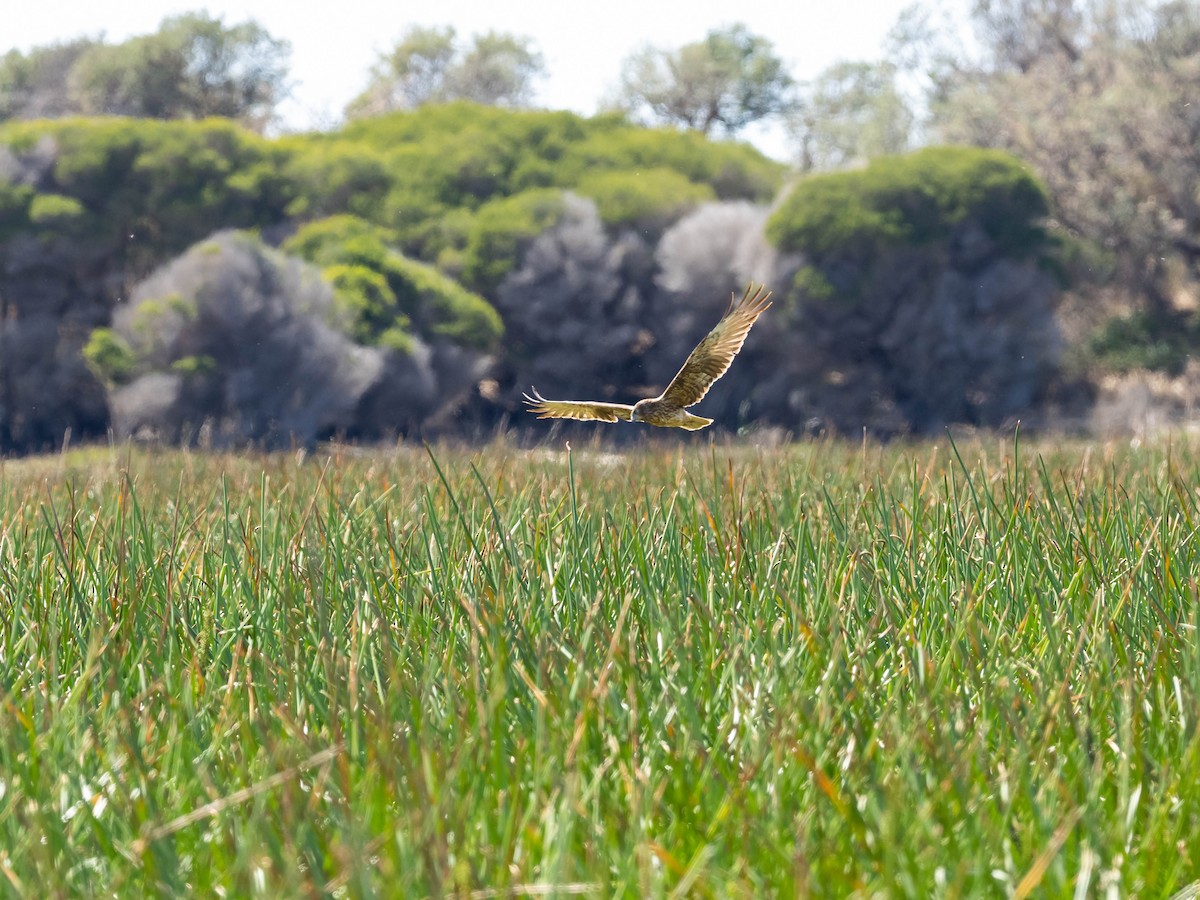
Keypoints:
pixel 54 210
pixel 437 305
pixel 502 229
pixel 169 184
pixel 648 199
pixel 110 356
pixel 846 224
pixel 364 298
pixel 456 156
pixel 332 178
pixel 202 364
pixel 735 171
pixel 451 311
pixel 463 154
pixel 341 239
pixel 94 156
pixel 146 189
pixel 912 199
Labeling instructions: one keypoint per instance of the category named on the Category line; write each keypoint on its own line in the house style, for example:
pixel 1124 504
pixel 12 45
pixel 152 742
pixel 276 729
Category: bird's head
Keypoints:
pixel 636 414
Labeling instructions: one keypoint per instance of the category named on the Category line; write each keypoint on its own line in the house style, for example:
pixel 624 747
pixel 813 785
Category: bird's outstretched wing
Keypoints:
pixel 712 356
pixel 583 410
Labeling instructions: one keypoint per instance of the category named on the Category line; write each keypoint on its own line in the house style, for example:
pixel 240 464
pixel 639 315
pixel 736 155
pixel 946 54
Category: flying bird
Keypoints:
pixel 708 362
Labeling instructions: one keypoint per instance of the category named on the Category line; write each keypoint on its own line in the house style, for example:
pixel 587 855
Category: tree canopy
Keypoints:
pixel 1100 101
pixel 194 66
pixel 725 81
pixel 856 216
pixel 430 65
pixel 35 85
pixel 852 112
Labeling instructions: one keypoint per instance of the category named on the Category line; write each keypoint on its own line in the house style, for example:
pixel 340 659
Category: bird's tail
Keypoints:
pixel 695 423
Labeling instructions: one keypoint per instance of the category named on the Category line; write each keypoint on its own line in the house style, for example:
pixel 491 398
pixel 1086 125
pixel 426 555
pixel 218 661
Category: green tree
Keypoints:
pixel 846 222
pixel 500 232
pixel 1019 34
pixel 34 85
pixel 498 70
pixel 728 80
pixel 411 74
pixel 1100 100
pixel 852 112
pixel 428 65
pixel 194 66
pixel 446 160
pixel 362 295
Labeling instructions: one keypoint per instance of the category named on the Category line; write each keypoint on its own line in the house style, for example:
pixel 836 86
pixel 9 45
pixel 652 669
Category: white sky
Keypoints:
pixel 584 44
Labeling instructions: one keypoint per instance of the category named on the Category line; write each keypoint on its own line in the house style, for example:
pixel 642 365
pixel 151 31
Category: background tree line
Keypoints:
pixel 416 268
pixel 193 66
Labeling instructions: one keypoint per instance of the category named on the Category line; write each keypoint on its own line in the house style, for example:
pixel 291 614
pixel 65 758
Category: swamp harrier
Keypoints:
pixel 706 364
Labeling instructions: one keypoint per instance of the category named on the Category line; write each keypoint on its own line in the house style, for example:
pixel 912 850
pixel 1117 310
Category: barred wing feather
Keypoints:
pixel 583 410
pixel 713 355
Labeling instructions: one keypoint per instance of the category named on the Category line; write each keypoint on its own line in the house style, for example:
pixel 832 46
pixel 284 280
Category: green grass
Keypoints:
pixel 824 669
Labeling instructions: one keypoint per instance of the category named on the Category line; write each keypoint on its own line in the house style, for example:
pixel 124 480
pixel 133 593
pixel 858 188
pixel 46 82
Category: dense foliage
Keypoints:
pixel 446 201
pixel 194 66
pixel 1099 100
pixel 469 252
pixel 855 217
pixel 429 65
pixel 138 190
pixel 393 290
pixel 927 289
pixel 445 161
pixel 645 200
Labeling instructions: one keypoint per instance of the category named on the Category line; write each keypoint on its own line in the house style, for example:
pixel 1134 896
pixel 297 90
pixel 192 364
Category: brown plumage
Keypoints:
pixel 708 362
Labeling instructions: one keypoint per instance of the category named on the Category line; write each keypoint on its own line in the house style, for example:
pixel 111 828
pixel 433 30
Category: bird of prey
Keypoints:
pixel 706 364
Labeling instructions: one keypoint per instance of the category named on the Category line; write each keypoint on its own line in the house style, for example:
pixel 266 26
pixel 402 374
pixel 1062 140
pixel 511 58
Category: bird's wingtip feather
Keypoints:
pixel 754 299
